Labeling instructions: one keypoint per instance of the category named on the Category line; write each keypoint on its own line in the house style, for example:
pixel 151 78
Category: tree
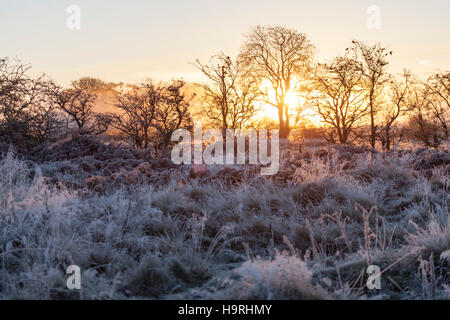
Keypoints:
pixel 399 95
pixel 338 96
pixel 138 106
pixel 151 112
pixel 26 110
pixel 17 93
pixel 43 120
pixel 422 124
pixel 280 57
pixel 91 84
pixel 437 91
pixel 171 113
pixel 230 100
pixel 374 62
pixel 77 103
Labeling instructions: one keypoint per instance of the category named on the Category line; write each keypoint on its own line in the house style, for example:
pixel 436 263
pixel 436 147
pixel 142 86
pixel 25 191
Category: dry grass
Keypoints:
pixel 308 232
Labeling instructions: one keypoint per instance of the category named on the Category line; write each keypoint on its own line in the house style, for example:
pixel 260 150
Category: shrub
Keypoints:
pixel 286 277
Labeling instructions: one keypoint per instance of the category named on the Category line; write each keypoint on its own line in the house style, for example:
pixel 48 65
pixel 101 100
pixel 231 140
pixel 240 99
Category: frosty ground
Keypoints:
pixel 140 227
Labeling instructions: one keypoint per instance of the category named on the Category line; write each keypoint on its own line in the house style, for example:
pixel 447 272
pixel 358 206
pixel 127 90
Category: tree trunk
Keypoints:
pixel 281 120
pixel 373 132
pixel 388 138
pixel 284 123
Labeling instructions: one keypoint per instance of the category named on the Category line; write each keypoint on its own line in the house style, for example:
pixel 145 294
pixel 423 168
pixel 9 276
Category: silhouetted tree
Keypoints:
pixel 77 103
pixel 437 92
pixel 373 62
pixel 91 84
pixel 422 124
pixel 138 106
pixel 338 96
pixel 280 57
pixel 151 112
pixel 27 114
pixel 171 113
pixel 397 105
pixel 230 100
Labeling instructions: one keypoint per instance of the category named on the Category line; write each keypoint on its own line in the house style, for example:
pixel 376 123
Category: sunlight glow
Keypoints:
pixel 294 100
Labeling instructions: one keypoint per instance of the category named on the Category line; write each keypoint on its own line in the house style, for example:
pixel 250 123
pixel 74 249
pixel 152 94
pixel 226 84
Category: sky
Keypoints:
pixel 127 41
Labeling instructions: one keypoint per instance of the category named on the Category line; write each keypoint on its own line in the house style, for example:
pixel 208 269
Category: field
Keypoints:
pixel 140 227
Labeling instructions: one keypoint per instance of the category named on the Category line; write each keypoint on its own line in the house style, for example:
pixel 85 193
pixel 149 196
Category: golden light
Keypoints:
pixel 293 99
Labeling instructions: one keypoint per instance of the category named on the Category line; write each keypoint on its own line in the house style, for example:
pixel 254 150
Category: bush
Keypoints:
pixel 286 277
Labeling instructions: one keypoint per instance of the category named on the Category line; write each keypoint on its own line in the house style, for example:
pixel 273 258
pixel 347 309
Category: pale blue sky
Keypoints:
pixel 130 40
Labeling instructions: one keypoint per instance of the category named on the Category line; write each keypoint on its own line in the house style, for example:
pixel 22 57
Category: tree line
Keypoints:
pixel 37 110
pixel 354 95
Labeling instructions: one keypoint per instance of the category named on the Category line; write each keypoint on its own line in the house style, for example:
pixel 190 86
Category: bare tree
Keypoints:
pixel 280 57
pixel 151 112
pixel 91 84
pixel 129 127
pixel 171 113
pixel 77 104
pixel 17 91
pixel 43 120
pixel 338 96
pixel 138 106
pixel 373 67
pixel 422 125
pixel 437 91
pixel 399 96
pixel 27 113
pixel 230 100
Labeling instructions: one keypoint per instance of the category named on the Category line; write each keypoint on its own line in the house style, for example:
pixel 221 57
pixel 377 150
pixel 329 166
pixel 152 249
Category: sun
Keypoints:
pixel 294 100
